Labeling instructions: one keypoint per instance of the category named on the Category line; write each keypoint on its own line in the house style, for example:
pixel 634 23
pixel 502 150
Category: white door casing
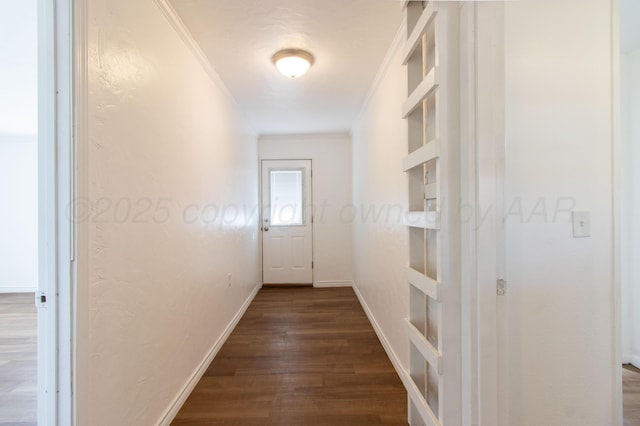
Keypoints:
pixel 58 109
pixel 286 222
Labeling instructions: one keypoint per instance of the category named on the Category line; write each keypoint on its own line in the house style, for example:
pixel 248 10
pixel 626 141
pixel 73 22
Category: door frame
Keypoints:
pixel 618 195
pixel 261 213
pixel 56 233
pixel 484 348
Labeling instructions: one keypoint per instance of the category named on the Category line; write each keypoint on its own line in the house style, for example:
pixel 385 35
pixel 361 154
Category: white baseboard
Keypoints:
pixel 402 373
pixel 625 358
pixel 330 284
pixel 182 396
pixel 634 360
pixel 17 289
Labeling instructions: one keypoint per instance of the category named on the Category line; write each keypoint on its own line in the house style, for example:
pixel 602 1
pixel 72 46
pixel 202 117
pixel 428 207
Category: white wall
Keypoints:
pixel 166 140
pixel 19 70
pixel 331 164
pixel 630 123
pixel 559 150
pixel 18 146
pixel 19 213
pixel 380 240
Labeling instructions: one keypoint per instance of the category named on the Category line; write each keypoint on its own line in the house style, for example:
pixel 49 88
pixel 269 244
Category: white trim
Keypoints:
pixel 80 311
pixel 56 240
pixel 47 341
pixel 449 314
pixel 332 284
pixel 415 396
pixel 618 165
pixel 489 319
pixel 179 26
pixel 633 360
pixel 303 137
pixel 65 144
pixel 468 195
pixel 173 409
pixel 424 220
pixel 17 289
pixel 396 44
pixel 397 365
pixel 405 378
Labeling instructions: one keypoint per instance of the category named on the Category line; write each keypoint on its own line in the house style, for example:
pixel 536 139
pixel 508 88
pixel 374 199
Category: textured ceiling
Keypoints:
pixel 349 39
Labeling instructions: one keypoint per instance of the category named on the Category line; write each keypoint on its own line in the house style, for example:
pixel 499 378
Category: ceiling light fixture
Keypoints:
pixel 292 62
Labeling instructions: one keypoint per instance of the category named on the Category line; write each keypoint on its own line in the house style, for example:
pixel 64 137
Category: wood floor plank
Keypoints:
pixel 631 395
pixel 299 356
pixel 18 359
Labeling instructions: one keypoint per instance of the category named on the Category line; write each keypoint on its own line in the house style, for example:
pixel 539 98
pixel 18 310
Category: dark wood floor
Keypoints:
pixel 18 360
pixel 299 356
pixel 631 392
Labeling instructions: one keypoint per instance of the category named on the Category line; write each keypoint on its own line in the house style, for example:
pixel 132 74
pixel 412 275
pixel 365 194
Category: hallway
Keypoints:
pixel 299 356
pixel 471 211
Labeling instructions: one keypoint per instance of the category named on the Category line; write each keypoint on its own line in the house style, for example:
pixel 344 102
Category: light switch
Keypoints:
pixel 581 224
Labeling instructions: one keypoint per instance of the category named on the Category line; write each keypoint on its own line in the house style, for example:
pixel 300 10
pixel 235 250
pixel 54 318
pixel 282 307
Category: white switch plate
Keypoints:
pixel 581 224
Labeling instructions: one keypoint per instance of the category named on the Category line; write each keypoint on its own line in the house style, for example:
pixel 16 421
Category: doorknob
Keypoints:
pixel 266 228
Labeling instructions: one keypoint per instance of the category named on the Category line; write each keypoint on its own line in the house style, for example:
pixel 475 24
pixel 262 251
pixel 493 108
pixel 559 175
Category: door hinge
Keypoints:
pixel 312 264
pixel 41 299
pixel 501 287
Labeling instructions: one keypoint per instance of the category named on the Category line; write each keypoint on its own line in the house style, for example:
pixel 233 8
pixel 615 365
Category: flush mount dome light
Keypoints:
pixel 292 62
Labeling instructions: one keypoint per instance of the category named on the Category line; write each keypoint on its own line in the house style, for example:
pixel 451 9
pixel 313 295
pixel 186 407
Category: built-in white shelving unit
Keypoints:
pixel 432 166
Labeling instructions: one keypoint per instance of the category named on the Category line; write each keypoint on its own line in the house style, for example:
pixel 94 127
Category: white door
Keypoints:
pixel 286 222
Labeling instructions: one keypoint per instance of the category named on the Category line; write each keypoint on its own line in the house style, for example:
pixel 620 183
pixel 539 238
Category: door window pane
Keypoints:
pixel 287 202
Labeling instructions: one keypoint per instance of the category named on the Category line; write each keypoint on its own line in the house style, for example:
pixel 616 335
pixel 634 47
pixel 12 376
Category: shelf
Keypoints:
pixel 421 405
pixel 423 220
pixel 418 30
pixel 430 55
pixel 422 155
pixel 425 284
pixel 430 354
pixel 428 84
